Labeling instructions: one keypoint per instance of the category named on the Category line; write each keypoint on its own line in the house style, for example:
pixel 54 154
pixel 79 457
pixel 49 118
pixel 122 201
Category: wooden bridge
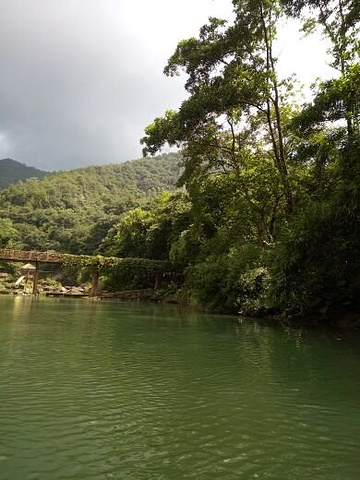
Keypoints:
pixel 96 262
pixel 10 255
pixel 24 256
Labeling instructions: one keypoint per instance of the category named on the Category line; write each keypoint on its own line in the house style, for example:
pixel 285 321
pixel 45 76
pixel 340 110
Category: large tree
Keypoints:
pixel 339 21
pixel 236 113
pixel 317 263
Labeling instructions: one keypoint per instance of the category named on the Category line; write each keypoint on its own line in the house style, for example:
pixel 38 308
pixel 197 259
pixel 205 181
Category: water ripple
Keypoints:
pixel 111 391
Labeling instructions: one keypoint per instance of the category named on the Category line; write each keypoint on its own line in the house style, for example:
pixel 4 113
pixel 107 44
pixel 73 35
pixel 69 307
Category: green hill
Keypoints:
pixel 72 211
pixel 11 171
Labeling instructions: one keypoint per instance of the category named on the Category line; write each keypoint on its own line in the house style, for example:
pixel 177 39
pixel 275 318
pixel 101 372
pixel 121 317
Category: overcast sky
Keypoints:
pixel 81 79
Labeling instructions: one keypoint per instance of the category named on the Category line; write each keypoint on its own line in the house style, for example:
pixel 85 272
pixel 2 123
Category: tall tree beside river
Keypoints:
pixel 269 179
pixel 317 263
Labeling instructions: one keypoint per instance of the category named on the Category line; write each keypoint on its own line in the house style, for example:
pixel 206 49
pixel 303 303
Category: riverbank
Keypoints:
pixel 339 319
pixel 151 295
pixel 183 298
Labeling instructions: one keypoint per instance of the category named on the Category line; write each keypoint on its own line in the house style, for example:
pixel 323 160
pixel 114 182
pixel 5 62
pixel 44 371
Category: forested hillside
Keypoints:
pixel 72 211
pixel 11 171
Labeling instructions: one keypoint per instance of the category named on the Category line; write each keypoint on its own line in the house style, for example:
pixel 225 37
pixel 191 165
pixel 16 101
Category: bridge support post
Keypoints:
pixel 94 284
pixel 36 279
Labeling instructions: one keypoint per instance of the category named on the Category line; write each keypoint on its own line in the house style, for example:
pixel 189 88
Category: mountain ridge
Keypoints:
pixel 11 171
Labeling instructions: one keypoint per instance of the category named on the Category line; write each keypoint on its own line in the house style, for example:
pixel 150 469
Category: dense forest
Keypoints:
pixel 266 217
pixel 72 211
pixel 273 186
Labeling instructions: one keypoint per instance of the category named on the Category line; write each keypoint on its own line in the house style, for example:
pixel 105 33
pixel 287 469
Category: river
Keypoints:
pixel 107 390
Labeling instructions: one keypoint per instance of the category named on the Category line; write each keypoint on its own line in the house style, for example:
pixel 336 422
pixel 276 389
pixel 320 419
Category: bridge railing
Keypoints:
pixel 95 261
pixel 30 256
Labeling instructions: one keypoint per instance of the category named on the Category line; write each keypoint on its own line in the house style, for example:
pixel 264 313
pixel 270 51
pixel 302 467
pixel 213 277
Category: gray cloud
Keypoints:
pixel 80 79
pixel 78 83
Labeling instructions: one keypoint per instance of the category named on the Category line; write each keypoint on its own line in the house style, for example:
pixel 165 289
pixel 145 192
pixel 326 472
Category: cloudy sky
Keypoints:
pixel 80 79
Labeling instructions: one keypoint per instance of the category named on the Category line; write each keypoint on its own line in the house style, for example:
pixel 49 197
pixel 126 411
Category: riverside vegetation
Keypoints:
pixel 267 219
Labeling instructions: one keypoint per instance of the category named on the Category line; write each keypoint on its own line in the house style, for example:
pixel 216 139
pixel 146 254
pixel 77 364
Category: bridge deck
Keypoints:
pixel 157 268
pixel 31 256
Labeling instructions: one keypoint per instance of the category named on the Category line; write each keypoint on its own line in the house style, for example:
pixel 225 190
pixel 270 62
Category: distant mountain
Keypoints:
pixel 11 171
pixel 72 211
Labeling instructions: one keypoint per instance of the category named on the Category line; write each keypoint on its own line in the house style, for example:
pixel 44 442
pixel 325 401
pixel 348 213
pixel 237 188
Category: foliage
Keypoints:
pixel 119 273
pixel 137 273
pixel 73 211
pixel 233 282
pixel 128 238
pixel 265 175
pixel 9 238
pixel 235 111
pixel 150 232
pixel 338 19
pixel 9 235
pixel 316 266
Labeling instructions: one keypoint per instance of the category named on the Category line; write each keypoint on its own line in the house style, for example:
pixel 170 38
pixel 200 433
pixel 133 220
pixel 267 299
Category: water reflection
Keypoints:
pixel 22 304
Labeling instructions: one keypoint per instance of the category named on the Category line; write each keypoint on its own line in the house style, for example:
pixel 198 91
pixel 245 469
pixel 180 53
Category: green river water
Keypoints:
pixel 101 390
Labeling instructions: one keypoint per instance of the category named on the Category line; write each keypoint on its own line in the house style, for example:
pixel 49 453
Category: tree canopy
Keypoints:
pixel 72 211
pixel 271 182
